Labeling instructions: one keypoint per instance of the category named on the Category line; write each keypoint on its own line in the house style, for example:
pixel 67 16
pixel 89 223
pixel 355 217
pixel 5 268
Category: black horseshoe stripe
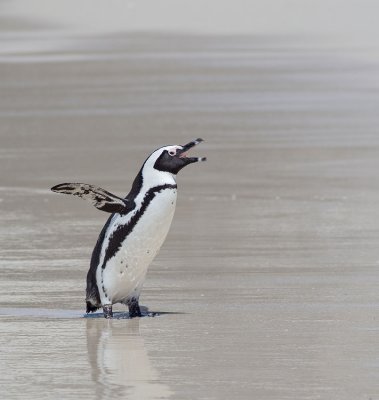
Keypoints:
pixel 122 232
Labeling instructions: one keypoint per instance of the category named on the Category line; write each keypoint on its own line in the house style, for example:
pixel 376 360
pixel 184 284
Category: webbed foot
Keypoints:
pixel 134 309
pixel 107 310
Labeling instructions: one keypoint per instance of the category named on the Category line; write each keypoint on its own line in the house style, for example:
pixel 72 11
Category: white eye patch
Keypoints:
pixel 172 150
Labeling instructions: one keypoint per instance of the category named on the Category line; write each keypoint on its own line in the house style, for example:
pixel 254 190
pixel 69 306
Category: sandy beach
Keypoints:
pixel 267 285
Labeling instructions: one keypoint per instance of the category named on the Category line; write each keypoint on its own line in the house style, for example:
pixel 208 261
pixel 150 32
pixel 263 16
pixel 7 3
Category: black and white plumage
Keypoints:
pixel 98 197
pixel 135 231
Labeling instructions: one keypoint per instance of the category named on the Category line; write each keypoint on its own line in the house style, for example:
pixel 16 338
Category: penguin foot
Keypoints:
pixel 134 309
pixel 107 310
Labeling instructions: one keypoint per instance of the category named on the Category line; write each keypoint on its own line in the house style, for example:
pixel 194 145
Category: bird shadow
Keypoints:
pixel 125 315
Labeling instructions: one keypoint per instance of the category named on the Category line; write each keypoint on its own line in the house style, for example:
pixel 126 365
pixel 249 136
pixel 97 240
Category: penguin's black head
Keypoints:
pixel 173 158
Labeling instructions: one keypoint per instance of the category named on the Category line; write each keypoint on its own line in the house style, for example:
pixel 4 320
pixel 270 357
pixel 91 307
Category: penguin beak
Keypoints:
pixel 185 148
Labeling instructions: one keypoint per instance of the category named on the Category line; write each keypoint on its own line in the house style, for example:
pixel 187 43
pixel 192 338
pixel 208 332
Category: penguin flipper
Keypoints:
pixel 98 197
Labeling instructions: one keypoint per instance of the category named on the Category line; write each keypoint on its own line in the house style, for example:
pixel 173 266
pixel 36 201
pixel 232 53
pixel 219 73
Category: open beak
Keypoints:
pixel 185 148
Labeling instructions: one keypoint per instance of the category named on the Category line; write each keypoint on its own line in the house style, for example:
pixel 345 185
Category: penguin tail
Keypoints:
pixel 90 307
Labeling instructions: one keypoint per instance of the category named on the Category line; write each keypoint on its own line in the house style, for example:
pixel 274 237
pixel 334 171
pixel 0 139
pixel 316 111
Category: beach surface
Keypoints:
pixel 267 285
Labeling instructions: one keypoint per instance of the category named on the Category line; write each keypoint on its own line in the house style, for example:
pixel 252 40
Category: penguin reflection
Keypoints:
pixel 119 362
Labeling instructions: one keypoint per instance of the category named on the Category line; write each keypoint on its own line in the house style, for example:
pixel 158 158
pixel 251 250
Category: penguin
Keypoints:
pixel 135 230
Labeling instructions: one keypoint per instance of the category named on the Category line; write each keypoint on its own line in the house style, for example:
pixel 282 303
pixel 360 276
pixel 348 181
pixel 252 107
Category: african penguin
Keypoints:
pixel 134 232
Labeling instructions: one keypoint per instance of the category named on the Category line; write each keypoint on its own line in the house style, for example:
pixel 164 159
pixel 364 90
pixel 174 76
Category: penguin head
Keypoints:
pixel 171 159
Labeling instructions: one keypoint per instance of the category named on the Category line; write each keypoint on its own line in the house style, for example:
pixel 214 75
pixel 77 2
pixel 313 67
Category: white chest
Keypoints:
pixel 125 272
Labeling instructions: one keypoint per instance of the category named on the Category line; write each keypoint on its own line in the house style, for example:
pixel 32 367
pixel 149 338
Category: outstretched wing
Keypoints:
pixel 98 197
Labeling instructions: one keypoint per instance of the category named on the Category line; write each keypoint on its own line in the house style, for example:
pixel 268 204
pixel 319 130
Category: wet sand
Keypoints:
pixel 268 281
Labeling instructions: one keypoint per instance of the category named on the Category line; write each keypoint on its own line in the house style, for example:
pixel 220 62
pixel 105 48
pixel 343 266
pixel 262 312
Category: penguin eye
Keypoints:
pixel 172 152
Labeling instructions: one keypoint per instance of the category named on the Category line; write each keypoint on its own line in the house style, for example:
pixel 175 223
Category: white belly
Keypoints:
pixel 124 274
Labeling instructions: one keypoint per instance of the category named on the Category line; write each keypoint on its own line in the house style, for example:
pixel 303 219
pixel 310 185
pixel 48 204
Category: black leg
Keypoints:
pixel 134 310
pixel 107 310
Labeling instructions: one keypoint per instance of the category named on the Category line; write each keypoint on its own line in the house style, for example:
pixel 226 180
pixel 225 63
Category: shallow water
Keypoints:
pixel 267 285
